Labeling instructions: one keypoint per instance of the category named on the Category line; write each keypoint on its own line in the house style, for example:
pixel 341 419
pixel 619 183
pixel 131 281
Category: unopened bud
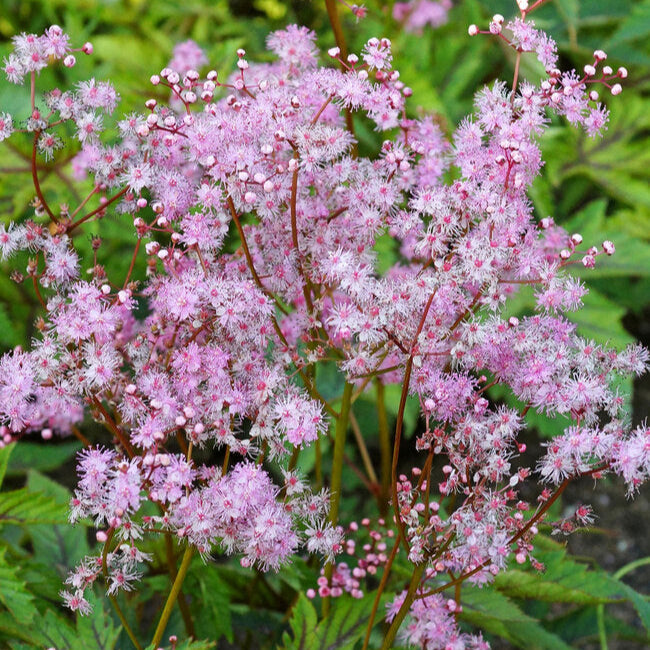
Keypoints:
pixel 609 247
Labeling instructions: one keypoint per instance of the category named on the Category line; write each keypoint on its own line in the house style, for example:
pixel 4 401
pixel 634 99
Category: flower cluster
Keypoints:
pixel 417 14
pixel 235 325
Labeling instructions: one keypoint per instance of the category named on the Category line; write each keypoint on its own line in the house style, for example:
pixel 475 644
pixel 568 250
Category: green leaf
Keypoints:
pixel 13 593
pixel 5 452
pixel 214 618
pixel 41 457
pixel 393 393
pixel 641 605
pixel 97 630
pixel 635 26
pixel 62 544
pixel 584 588
pixel 10 628
pixel 303 623
pixel 495 613
pixel 600 320
pixel 20 507
pixel 196 645
pixel 632 257
pixel 345 624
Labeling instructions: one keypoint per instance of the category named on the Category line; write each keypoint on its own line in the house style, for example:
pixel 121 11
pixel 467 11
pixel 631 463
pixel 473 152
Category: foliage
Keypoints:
pixel 599 188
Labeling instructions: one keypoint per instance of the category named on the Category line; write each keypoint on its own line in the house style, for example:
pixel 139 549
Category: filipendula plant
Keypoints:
pixel 256 221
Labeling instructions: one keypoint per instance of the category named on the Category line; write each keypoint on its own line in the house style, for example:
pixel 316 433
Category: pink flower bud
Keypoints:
pixel 87 48
pixel 472 30
pixel 589 261
pixel 69 61
pixel 609 247
pixel 617 89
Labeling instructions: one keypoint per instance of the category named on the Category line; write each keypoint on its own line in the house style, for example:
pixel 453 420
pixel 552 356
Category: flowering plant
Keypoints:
pixel 254 272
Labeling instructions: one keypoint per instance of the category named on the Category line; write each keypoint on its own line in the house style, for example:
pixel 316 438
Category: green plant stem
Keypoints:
pixel 173 595
pixel 182 604
pixel 363 451
pixel 116 605
pixel 384 448
pixel 406 605
pixel 600 610
pixel 337 471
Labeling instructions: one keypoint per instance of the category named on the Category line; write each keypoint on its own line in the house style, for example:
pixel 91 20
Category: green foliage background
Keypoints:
pixel 600 188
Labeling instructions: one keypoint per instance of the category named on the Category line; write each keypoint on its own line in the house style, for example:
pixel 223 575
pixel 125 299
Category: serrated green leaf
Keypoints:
pixel 189 644
pixel 62 544
pixel 490 602
pixel 303 624
pixel 641 605
pixel 493 612
pixel 583 590
pixel 214 619
pixel 97 630
pixel 20 507
pixel 13 593
pixel 345 624
pixel 12 629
